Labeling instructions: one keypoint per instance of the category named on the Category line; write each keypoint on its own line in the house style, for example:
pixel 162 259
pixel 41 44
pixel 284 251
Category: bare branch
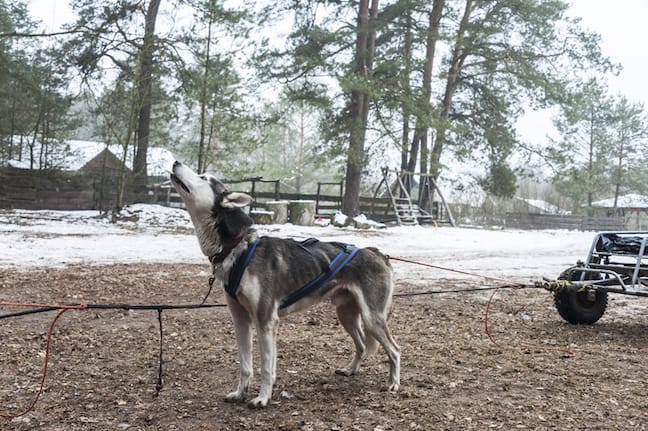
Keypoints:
pixel 33 35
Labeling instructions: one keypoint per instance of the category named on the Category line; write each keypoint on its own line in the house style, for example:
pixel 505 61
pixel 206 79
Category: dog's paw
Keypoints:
pixel 393 388
pixel 344 372
pixel 234 397
pixel 258 403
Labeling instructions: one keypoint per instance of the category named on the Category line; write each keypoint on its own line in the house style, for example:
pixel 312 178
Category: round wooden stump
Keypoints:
pixel 280 210
pixel 302 213
pixel 262 217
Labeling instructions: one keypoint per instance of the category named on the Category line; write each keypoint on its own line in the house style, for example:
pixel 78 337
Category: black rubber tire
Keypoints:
pixel 579 307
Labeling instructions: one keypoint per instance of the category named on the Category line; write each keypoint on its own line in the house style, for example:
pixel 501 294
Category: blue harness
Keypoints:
pixel 347 253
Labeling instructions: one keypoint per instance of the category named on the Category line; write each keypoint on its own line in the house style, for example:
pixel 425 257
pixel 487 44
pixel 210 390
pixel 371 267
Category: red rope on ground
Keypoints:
pixel 45 367
pixel 443 268
pixel 63 308
pixel 566 351
pixel 488 305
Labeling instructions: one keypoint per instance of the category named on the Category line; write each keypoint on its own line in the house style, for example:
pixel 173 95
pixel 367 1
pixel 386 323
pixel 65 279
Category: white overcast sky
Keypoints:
pixel 621 24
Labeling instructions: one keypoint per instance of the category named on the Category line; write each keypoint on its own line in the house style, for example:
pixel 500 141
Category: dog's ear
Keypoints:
pixel 236 200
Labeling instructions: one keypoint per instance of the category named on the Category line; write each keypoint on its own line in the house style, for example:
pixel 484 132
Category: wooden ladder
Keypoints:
pixel 407 214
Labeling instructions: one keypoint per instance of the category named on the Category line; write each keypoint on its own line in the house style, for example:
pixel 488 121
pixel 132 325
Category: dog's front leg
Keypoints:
pixel 267 332
pixel 243 330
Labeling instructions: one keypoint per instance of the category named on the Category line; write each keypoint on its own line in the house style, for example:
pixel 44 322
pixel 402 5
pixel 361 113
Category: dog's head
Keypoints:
pixel 216 212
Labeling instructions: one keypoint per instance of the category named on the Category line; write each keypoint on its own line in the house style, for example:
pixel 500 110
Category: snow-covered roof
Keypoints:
pixel 544 206
pixel 72 155
pixel 159 159
pixel 19 164
pixel 631 200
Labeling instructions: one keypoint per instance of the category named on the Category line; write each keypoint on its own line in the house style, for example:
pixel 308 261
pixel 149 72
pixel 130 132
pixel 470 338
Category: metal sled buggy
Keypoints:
pixel 616 263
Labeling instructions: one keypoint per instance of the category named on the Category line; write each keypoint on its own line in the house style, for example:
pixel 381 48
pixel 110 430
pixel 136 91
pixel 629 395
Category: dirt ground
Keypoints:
pixel 103 365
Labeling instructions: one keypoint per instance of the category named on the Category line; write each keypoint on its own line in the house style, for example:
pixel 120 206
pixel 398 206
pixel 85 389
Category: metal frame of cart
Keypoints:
pixel 616 263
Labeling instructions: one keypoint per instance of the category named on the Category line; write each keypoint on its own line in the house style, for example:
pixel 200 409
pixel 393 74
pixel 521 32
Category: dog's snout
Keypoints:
pixel 176 164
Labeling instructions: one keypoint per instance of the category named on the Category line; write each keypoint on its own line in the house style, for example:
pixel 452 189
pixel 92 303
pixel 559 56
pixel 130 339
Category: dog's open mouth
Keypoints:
pixel 179 182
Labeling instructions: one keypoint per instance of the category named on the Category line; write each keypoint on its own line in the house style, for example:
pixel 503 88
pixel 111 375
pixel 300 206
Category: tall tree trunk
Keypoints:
pixel 202 162
pixel 406 97
pixel 457 60
pixel 299 179
pixel 430 51
pixel 32 144
pixel 12 129
pixel 365 46
pixel 144 83
pixel 619 172
pixel 42 156
pixel 420 139
pixel 121 179
pixel 590 163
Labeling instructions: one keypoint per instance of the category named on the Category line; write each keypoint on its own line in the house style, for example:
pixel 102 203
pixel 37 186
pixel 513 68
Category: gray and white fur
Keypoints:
pixel 361 292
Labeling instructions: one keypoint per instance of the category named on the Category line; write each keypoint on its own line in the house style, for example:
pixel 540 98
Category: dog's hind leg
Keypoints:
pixel 274 354
pixel 266 332
pixel 376 326
pixel 349 315
pixel 243 330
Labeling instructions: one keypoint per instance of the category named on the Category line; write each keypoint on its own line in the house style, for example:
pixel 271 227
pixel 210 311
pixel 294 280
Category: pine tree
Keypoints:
pixel 601 149
pixel 33 103
pixel 505 53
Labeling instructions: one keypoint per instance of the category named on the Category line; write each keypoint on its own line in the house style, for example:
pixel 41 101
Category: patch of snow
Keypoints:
pixel 631 200
pixel 321 221
pixel 340 219
pixel 362 222
pixel 19 164
pixel 544 206
pixel 151 233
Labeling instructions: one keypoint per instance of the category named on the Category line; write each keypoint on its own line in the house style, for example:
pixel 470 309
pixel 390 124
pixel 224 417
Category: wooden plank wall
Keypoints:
pixel 21 188
pixel 59 190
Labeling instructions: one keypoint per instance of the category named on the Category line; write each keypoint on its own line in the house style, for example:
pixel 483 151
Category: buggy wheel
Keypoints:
pixel 580 307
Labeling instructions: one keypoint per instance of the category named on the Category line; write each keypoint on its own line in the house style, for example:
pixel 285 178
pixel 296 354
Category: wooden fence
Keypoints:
pixel 43 189
pixel 49 189
pixel 378 209
pixel 571 222
pixel 61 190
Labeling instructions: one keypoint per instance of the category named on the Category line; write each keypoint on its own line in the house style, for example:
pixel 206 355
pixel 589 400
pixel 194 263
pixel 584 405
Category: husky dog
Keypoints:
pixel 361 291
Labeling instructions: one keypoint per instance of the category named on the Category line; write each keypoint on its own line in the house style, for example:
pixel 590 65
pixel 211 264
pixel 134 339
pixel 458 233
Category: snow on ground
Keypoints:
pixel 151 233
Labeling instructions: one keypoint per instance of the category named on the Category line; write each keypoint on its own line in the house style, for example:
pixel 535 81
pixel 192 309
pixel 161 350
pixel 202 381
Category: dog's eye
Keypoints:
pixel 203 177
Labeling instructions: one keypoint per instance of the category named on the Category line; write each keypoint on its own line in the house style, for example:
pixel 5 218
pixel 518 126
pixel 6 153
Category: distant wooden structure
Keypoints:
pixel 409 211
pixel 105 160
pixel 632 207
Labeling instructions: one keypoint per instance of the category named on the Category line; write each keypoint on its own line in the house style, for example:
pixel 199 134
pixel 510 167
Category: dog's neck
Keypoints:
pixel 227 248
pixel 213 245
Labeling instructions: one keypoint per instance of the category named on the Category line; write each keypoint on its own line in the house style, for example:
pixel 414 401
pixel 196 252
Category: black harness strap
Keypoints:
pixel 347 253
pixel 336 265
pixel 236 273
